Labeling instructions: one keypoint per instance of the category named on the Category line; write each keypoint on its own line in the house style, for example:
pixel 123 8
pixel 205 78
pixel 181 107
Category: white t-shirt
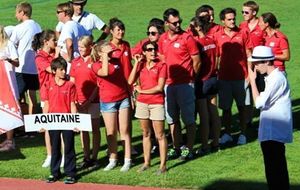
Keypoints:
pixel 22 37
pixel 71 30
pixel 8 30
pixel 89 21
pixel 10 51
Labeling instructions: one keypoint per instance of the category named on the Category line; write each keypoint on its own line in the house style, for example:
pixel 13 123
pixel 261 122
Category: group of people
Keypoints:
pixel 176 73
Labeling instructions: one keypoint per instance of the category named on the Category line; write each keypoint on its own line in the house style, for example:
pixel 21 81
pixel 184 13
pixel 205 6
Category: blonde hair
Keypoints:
pixel 66 7
pixel 3 37
pixel 98 48
pixel 86 40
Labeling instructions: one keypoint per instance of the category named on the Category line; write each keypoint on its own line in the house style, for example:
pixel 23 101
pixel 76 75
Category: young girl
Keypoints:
pixel 150 102
pixel 44 43
pixel 8 57
pixel 114 102
pixel 85 80
pixel 206 87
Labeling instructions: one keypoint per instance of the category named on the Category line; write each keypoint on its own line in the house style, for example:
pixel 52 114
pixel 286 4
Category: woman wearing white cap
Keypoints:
pixel 275 126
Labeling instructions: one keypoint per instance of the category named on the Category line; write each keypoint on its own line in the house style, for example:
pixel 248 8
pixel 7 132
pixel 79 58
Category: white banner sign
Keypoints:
pixel 58 121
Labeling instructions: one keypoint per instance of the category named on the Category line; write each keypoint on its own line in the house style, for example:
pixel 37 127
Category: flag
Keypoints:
pixel 10 111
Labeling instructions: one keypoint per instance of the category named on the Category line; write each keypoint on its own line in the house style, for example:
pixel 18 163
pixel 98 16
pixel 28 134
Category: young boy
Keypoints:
pixel 276 124
pixel 60 98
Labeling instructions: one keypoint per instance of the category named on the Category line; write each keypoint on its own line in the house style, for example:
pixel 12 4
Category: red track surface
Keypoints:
pixel 28 184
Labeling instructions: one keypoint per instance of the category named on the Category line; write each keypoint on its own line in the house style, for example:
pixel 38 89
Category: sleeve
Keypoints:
pixel 66 32
pixel 247 40
pixel 46 91
pixel 42 63
pixel 98 23
pixel 192 46
pixel 283 43
pixel 13 53
pixel 72 69
pixel 59 27
pixel 14 38
pixel 73 92
pixel 163 71
pixel 96 67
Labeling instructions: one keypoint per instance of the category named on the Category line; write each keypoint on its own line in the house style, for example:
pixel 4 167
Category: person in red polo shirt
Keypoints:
pixel 60 97
pixel 234 46
pixel 114 102
pixel 152 74
pixel 87 101
pixel 180 52
pixel 44 43
pixel 275 39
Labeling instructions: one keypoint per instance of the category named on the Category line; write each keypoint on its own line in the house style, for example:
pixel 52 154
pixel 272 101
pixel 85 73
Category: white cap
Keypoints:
pixel 261 53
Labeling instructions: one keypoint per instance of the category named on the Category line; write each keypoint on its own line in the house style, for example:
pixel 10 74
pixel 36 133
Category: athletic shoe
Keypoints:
pixel 86 164
pixel 242 140
pixel 203 152
pixel 225 138
pixel 111 165
pixel 51 179
pixel 172 154
pixel 186 154
pixel 47 162
pixel 126 166
pixel 69 180
pixel 8 145
pixel 161 171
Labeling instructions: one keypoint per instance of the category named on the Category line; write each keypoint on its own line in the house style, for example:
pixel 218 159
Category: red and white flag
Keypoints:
pixel 10 111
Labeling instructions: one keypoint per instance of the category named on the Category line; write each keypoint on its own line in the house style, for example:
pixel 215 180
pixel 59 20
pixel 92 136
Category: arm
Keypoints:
pixel 285 56
pixel 252 77
pixel 103 72
pixel 73 107
pixel 104 34
pixel 69 46
pixel 133 74
pixel 46 107
pixel 196 63
pixel 156 89
pixel 14 62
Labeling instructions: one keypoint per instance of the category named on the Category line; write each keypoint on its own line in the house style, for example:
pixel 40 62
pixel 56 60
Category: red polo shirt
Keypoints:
pixel 122 55
pixel 278 42
pixel 208 53
pixel 232 53
pixel 177 53
pixel 113 87
pixel 256 35
pixel 60 97
pixel 85 79
pixel 42 61
pixel 137 49
pixel 149 79
pixel 213 29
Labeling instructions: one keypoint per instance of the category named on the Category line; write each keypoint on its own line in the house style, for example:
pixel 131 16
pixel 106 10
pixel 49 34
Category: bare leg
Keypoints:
pixel 162 141
pixel 124 117
pixel 96 138
pixel 215 120
pixel 204 122
pixel 145 126
pixel 110 121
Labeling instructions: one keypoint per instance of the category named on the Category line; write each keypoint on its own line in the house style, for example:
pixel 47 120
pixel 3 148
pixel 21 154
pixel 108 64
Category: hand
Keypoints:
pixel 137 88
pixel 137 58
pixel 106 49
pixel 76 130
pixel 42 130
pixel 252 74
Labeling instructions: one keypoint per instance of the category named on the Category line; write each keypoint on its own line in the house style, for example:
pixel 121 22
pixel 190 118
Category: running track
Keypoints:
pixel 29 184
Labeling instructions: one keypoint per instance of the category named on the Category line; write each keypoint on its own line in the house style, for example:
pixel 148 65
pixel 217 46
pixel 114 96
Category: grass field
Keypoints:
pixel 235 167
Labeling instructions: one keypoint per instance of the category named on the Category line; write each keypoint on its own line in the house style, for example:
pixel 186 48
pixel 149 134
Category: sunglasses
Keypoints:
pixel 175 23
pixel 57 12
pixel 152 33
pixel 151 49
pixel 245 12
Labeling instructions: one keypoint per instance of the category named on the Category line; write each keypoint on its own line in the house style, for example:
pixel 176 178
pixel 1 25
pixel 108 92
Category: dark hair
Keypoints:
pixel 253 5
pixel 39 38
pixel 203 23
pixel 271 20
pixel 227 11
pixel 203 8
pixel 157 23
pixel 58 63
pixel 170 11
pixel 144 47
pixel 115 22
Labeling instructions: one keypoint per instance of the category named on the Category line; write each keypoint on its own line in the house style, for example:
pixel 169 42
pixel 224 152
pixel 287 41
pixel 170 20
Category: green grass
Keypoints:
pixel 232 168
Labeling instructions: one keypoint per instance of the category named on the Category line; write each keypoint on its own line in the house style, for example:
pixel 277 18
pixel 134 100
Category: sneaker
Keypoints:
pixel 172 154
pixel 69 180
pixel 86 163
pixel 62 163
pixel 203 152
pixel 47 162
pixel 186 154
pixel 111 165
pixel 51 179
pixel 3 143
pixel 225 138
pixel 8 145
pixel 242 140
pixel 154 149
pixel 126 166
pixel 161 171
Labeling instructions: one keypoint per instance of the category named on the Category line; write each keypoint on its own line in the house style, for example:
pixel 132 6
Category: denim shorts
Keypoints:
pixel 114 106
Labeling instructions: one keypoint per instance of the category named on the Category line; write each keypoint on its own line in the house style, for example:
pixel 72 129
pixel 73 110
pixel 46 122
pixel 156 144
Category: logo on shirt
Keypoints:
pixel 176 45
pixel 89 66
pixel 272 44
pixel 126 53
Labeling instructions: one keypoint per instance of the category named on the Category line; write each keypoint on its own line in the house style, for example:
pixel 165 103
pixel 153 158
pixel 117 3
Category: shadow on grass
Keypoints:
pixel 241 185
pixel 12 155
